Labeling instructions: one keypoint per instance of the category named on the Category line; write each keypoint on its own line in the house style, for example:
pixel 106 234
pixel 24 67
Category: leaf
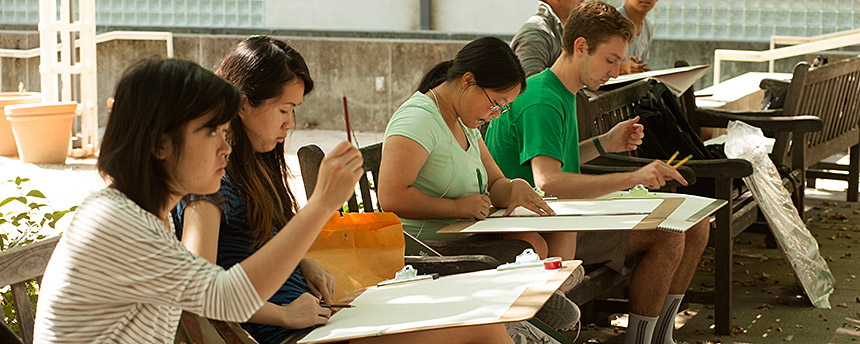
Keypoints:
pixel 35 205
pixel 35 193
pixel 18 181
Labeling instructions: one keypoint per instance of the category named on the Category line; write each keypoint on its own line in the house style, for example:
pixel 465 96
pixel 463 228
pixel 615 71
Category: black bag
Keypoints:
pixel 666 128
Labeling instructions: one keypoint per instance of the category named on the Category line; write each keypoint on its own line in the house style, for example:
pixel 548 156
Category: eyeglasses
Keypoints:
pixel 495 107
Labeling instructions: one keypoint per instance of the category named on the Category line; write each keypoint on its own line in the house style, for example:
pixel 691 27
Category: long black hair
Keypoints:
pixel 490 59
pixel 260 67
pixel 154 99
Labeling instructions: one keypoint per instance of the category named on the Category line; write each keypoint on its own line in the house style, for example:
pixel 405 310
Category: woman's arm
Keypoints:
pixel 201 226
pixel 510 193
pixel 402 159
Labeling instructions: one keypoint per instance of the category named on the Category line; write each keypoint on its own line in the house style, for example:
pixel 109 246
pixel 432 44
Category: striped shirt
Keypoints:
pixel 119 276
pixel 235 243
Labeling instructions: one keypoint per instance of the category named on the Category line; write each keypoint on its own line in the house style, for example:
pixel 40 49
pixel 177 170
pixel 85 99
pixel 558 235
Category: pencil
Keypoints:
pixel 683 161
pixel 672 158
pixel 480 181
pixel 346 119
pixel 336 306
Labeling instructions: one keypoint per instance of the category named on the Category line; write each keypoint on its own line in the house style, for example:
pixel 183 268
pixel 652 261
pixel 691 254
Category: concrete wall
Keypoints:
pixel 337 65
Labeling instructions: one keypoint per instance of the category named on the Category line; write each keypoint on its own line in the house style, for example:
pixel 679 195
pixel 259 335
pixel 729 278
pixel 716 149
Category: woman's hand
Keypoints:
pixel 339 171
pixel 522 195
pixel 304 312
pixel 473 206
pixel 320 281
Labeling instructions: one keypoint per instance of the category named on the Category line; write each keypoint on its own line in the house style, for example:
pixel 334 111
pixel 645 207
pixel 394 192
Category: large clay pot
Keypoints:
pixel 7 141
pixel 43 131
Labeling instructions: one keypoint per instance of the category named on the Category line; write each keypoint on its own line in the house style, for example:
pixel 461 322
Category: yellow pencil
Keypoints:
pixel 683 161
pixel 672 158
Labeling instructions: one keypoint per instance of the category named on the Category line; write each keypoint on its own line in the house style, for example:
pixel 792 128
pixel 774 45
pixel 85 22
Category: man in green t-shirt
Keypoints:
pixel 537 140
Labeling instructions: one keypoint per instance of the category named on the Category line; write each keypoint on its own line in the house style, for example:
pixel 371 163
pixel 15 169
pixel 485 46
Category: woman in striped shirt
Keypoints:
pixel 119 275
pixel 255 200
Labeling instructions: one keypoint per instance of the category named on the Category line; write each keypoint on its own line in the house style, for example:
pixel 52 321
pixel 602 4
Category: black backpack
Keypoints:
pixel 666 128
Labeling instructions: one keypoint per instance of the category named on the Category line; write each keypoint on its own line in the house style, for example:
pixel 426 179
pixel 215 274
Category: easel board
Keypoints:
pixel 591 222
pixel 475 298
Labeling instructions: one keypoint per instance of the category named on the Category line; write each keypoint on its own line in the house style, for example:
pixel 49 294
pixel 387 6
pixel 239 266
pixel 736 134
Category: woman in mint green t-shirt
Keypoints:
pixel 435 166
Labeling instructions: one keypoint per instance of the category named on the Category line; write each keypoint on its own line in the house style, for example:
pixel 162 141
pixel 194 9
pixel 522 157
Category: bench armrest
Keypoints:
pixel 770 119
pixel 711 168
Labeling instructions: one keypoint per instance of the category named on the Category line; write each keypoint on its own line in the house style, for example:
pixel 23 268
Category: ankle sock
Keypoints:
pixel 666 322
pixel 639 329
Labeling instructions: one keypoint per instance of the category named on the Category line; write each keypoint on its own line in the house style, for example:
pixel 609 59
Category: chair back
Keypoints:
pixel 310 158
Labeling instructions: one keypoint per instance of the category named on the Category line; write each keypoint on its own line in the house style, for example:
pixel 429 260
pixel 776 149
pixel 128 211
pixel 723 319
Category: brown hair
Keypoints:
pixel 154 99
pixel 596 21
pixel 260 67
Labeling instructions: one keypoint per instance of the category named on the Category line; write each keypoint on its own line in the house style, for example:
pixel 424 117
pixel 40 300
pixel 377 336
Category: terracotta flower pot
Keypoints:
pixel 7 141
pixel 42 131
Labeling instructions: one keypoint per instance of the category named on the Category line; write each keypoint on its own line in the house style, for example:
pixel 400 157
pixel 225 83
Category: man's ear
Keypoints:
pixel 244 107
pixel 580 47
pixel 163 147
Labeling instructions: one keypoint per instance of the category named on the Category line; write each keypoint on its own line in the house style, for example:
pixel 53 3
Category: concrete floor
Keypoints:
pixel 769 305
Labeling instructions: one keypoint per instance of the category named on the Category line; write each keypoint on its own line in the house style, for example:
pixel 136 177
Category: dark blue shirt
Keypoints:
pixel 235 243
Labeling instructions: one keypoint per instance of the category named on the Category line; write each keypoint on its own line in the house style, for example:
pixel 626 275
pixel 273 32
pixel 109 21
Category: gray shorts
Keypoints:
pixel 607 248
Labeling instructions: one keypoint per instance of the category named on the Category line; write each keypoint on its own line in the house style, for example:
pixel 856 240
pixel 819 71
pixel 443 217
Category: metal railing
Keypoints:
pixel 801 46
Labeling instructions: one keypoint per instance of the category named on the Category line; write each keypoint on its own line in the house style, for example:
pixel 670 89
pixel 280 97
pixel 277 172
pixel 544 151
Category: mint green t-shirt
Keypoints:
pixel 541 121
pixel 449 171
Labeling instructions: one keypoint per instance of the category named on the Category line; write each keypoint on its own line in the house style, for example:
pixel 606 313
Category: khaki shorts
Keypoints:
pixel 607 248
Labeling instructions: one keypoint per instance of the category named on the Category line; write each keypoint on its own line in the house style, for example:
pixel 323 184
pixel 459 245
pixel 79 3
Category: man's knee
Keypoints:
pixel 671 245
pixel 697 236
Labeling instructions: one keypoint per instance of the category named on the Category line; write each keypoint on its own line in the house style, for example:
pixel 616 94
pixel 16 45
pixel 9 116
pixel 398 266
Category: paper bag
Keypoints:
pixel 359 249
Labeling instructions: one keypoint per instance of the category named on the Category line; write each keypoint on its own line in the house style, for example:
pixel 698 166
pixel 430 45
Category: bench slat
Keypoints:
pixel 26 262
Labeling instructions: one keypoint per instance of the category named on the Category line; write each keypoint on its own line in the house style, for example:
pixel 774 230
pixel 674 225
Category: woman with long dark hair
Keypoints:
pixel 255 199
pixel 119 275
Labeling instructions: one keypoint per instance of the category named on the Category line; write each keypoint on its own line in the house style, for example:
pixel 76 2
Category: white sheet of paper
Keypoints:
pixel 678 219
pixel 678 79
pixel 555 223
pixel 590 207
pixel 477 297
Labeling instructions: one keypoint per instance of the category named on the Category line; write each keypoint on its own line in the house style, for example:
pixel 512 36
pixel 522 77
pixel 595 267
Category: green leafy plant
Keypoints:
pixel 22 218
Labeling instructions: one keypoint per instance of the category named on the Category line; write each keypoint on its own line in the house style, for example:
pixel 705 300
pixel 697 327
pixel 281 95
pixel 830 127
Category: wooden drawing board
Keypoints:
pixel 475 298
pixel 593 222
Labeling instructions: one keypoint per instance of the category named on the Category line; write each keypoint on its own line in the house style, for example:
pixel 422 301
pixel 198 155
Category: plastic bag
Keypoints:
pixel 796 243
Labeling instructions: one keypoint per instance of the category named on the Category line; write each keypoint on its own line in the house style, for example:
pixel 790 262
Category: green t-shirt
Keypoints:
pixel 541 121
pixel 449 171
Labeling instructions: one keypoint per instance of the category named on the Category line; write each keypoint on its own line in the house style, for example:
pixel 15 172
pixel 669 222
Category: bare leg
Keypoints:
pixel 537 241
pixel 695 240
pixel 560 244
pixel 660 254
pixel 494 333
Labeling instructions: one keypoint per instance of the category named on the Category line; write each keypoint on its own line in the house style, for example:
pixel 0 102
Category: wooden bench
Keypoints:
pixel 18 266
pixel 829 92
pixel 596 115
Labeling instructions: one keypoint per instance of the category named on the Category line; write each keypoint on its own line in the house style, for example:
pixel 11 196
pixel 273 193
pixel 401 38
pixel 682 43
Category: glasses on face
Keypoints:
pixel 495 107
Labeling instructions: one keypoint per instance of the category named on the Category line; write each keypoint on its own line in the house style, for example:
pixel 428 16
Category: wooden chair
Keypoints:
pixel 18 266
pixel 457 256
pixel 596 115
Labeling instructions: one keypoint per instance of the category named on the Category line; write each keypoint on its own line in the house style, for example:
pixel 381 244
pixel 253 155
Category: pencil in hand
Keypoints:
pixel 323 305
pixel 683 161
pixel 672 158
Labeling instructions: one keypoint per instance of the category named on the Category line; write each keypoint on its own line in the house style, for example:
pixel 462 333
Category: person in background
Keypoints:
pixel 639 49
pixel 538 42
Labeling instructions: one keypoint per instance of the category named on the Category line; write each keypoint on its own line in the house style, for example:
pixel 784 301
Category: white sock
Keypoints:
pixel 666 323
pixel 639 329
